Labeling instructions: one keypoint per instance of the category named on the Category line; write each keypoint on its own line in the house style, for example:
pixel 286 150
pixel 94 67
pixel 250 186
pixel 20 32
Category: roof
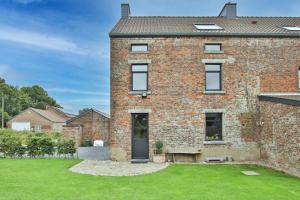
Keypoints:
pixel 289 99
pixel 85 113
pixel 135 26
pixel 49 115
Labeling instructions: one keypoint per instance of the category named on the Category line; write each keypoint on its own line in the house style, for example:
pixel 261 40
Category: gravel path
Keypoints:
pixel 111 168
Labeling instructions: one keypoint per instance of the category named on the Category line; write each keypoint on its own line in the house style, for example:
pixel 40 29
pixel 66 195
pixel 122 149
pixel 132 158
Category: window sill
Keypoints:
pixel 139 92
pixel 140 52
pixel 221 142
pixel 214 52
pixel 214 92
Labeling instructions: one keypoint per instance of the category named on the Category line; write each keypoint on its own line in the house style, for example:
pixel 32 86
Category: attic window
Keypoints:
pixel 292 28
pixel 208 27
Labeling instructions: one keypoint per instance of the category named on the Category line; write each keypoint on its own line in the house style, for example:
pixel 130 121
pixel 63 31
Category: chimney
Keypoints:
pixel 229 11
pixel 125 10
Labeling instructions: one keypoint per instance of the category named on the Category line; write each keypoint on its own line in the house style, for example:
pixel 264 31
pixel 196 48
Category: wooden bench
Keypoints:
pixel 185 150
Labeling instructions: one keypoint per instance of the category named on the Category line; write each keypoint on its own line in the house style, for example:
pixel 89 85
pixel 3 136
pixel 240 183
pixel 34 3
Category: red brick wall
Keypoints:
pixel 280 136
pixel 176 81
pixel 94 126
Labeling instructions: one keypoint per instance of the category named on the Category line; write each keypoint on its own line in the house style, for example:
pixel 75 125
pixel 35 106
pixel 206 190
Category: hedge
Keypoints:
pixel 16 144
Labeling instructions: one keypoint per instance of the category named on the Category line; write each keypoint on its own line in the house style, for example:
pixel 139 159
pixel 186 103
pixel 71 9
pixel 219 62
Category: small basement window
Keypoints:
pixel 213 131
pixel 213 47
pixel 292 28
pixel 139 47
pixel 208 27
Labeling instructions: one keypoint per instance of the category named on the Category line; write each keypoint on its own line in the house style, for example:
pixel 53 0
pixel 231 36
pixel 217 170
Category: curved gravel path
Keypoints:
pixel 111 168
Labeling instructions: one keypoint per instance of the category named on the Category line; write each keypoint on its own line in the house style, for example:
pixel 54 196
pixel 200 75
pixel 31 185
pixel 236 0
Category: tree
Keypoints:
pixel 6 117
pixel 81 111
pixel 2 80
pixel 39 97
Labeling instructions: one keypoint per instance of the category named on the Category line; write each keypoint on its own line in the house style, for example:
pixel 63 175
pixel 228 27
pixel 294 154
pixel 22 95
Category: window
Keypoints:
pixel 208 27
pixel 139 47
pixel 213 77
pixel 213 47
pixel 213 126
pixel 292 28
pixel 38 128
pixel 139 77
pixel 299 78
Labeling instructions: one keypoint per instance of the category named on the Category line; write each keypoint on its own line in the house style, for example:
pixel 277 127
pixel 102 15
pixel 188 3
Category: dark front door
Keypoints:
pixel 140 143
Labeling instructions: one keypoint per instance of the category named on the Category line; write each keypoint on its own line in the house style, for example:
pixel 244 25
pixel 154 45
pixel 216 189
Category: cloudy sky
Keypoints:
pixel 63 45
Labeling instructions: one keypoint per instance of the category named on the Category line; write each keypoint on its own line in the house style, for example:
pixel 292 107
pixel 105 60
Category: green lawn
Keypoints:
pixel 44 179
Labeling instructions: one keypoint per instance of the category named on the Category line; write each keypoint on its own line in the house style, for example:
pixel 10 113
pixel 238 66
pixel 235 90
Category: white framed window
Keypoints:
pixel 213 77
pixel 139 47
pixel 139 77
pixel 208 27
pixel 291 28
pixel 212 47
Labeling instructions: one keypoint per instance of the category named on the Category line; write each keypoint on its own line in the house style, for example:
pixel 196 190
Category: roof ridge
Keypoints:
pixel 211 17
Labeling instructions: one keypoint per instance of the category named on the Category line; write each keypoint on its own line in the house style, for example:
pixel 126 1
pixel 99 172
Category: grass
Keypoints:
pixel 44 179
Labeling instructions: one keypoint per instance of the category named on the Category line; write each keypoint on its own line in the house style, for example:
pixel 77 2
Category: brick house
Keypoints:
pixel 90 125
pixel 196 82
pixel 49 120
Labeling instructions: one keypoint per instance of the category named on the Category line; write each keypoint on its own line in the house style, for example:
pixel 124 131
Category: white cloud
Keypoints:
pixel 73 91
pixel 40 40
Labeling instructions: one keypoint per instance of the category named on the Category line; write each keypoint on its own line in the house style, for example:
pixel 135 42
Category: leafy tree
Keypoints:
pixel 6 117
pixel 2 80
pixel 39 97
pixel 81 111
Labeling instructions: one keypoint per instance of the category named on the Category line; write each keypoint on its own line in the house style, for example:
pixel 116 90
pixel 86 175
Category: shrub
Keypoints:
pixel 158 147
pixel 10 145
pixel 21 150
pixel 46 145
pixel 33 146
pixel 66 147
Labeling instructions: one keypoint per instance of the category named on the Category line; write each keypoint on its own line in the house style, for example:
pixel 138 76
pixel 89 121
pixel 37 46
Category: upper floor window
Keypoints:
pixel 213 77
pixel 208 27
pixel 213 126
pixel 139 47
pixel 292 28
pixel 212 47
pixel 139 77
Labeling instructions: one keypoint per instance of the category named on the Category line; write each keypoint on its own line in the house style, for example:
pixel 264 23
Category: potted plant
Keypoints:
pixel 158 156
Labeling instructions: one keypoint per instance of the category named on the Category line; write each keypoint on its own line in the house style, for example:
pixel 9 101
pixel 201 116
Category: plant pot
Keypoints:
pixel 159 158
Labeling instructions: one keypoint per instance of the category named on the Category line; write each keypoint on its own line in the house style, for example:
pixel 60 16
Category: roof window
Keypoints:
pixel 291 28
pixel 208 27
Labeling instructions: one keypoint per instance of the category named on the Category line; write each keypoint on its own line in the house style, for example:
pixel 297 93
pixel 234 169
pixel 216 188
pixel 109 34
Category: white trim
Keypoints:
pixel 142 61
pixel 139 110
pixel 229 60
pixel 218 110
pixel 214 142
pixel 139 92
pixel 214 92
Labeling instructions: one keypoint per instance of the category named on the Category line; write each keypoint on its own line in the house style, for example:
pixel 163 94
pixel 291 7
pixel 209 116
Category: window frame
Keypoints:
pixel 207 44
pixel 139 44
pixel 220 114
pixel 217 27
pixel 140 72
pixel 288 28
pixel 213 72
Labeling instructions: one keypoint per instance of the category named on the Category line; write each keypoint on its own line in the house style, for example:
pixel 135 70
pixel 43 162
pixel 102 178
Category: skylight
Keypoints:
pixel 208 27
pixel 292 28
